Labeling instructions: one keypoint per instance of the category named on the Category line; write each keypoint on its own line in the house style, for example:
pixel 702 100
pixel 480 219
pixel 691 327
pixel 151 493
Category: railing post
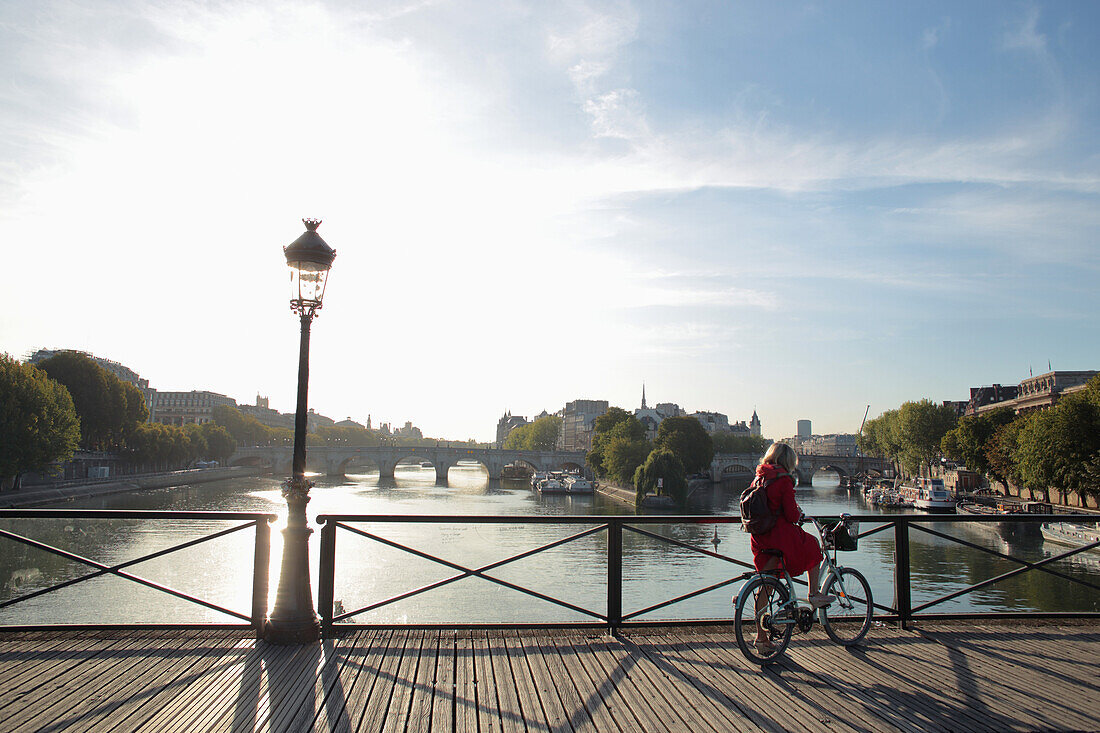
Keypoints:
pixel 326 575
pixel 614 574
pixel 261 571
pixel 903 600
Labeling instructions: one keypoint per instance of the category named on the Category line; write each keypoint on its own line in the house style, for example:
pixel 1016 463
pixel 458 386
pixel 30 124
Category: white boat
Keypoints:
pixel 1070 534
pixel 578 485
pixel 551 486
pixel 537 477
pixel 930 495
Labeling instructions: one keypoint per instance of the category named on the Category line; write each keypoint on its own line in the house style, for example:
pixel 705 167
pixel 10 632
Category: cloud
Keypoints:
pixel 1025 36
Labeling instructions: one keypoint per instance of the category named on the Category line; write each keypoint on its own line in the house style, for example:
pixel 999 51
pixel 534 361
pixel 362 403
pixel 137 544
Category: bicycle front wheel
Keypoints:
pixel 847 619
pixel 764 604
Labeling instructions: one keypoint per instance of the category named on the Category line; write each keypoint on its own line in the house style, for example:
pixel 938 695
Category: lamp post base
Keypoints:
pixel 294 620
pixel 292 632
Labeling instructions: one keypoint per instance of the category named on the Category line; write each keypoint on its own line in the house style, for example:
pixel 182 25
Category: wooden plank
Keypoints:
pixel 597 702
pixel 397 714
pixel 511 712
pixel 466 686
pixel 660 676
pixel 707 700
pixel 149 684
pixel 358 678
pixel 750 684
pixel 723 682
pixel 992 689
pixel 54 695
pixel 526 689
pixel 97 701
pixel 352 651
pixel 606 686
pixel 488 701
pixel 442 687
pixel 527 649
pixel 612 663
pixel 422 704
pixel 574 697
pixel 188 693
pixel 181 669
pixel 869 701
pixel 27 685
pixel 368 710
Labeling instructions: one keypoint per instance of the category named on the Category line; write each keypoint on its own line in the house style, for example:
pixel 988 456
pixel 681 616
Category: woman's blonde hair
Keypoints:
pixel 781 454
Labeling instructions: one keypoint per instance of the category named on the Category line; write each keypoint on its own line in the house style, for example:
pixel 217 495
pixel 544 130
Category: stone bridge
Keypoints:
pixel 727 466
pixel 334 460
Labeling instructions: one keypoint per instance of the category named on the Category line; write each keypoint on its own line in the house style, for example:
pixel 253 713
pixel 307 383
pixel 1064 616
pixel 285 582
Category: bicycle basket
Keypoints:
pixel 843 534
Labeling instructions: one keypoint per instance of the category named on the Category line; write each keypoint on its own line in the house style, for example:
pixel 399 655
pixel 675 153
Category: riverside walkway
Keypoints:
pixel 935 676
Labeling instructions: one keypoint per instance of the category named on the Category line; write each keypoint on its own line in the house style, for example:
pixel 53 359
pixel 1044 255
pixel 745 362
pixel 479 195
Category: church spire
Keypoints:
pixel 643 396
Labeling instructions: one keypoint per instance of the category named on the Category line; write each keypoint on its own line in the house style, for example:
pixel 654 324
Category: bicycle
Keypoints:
pixel 768 599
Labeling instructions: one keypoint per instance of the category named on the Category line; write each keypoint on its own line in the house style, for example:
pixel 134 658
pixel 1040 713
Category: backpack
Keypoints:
pixel 756 516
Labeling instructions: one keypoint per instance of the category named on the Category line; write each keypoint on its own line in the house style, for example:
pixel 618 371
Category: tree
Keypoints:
pixel 921 427
pixel 688 440
pixel 1000 452
pixel 109 409
pixel 38 423
pixel 663 474
pixel 733 443
pixel 970 439
pixel 624 451
pixel 602 428
pixel 1055 446
pixel 542 434
pixel 219 443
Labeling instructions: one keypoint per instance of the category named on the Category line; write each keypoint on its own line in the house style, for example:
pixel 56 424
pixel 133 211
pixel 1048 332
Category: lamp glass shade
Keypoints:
pixel 307 284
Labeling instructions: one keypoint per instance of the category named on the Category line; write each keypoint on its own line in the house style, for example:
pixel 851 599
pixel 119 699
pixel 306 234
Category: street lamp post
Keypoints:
pixel 294 620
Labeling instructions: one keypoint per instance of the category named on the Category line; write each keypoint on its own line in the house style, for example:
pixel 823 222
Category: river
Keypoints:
pixel 367 571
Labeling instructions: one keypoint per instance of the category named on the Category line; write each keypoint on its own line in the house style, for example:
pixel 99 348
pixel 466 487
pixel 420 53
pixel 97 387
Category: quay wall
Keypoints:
pixel 41 495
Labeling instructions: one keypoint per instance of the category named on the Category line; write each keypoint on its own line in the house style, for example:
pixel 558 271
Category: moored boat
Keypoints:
pixel 928 494
pixel 1006 510
pixel 1071 534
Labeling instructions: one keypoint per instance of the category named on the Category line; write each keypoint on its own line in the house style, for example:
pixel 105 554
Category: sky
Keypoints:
pixel 804 209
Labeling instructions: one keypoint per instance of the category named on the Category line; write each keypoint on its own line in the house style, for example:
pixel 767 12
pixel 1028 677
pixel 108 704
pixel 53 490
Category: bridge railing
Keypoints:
pixel 612 529
pixel 99 521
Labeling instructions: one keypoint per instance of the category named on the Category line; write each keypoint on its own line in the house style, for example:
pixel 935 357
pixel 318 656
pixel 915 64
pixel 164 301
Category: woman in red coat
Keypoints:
pixel 801 552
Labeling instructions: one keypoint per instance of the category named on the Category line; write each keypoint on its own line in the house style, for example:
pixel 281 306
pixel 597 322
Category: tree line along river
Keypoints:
pixel 220 571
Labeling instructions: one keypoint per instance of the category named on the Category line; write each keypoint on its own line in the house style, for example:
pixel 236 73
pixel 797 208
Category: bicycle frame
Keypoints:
pixel 831 569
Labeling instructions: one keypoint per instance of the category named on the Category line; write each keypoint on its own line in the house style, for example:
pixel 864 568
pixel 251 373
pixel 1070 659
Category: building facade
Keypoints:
pixel 577 422
pixel 185 408
pixel 1034 393
pixel 805 430
pixel 505 425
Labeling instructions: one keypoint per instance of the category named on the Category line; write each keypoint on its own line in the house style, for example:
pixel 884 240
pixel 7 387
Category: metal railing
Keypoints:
pixel 612 528
pixel 902 610
pixel 260 566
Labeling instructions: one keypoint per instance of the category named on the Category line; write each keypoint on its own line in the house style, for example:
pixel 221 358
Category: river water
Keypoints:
pixel 367 572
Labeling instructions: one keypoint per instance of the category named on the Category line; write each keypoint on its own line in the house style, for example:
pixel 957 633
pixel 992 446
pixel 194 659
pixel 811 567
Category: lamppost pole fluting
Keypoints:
pixel 294 620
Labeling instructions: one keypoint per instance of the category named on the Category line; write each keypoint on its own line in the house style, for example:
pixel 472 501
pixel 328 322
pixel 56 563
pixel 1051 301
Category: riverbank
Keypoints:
pixel 616 493
pixel 628 497
pixel 39 496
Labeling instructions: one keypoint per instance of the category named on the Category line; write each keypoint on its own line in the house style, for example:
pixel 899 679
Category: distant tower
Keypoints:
pixel 754 425
pixel 643 396
pixel 804 430
pixel 368 421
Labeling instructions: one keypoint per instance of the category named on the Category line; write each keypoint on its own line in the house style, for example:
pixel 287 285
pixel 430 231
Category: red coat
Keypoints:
pixel 800 548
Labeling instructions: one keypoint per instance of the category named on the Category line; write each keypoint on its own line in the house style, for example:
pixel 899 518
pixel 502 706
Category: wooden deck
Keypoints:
pixel 949 677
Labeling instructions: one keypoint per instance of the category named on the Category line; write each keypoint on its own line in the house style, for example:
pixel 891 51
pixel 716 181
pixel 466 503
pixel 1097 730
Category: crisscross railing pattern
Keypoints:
pixel 261 557
pixel 901 610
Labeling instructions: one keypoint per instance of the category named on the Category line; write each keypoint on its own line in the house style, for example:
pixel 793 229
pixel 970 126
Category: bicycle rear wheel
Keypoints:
pixel 764 601
pixel 847 619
